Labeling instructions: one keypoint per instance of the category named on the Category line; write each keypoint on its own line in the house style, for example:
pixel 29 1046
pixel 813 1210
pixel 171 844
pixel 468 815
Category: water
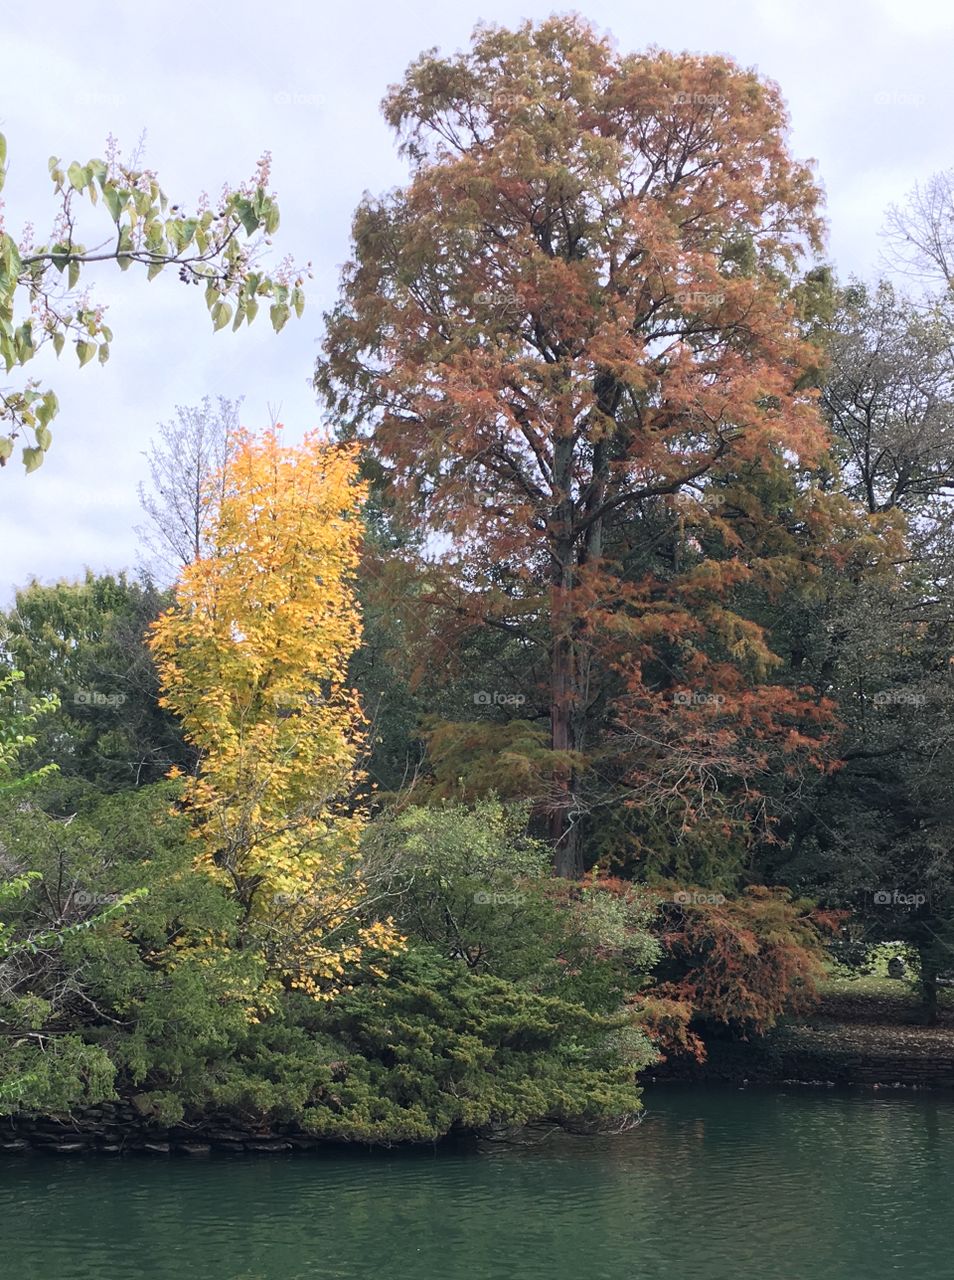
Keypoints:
pixel 716 1184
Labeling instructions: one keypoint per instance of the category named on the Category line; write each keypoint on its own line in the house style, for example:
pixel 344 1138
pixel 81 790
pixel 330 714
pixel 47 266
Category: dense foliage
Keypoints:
pixel 629 562
pixel 572 338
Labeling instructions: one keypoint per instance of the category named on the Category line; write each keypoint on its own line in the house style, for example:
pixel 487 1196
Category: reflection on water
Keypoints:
pixel 715 1184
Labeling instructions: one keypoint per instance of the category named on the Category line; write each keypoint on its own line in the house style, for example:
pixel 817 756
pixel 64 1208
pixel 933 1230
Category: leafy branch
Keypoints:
pixel 41 295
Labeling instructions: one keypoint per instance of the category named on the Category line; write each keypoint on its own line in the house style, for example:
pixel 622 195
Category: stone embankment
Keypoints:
pixel 117 1128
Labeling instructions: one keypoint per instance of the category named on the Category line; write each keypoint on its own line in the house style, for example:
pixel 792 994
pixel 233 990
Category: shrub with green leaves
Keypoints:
pixel 471 883
pixel 489 1020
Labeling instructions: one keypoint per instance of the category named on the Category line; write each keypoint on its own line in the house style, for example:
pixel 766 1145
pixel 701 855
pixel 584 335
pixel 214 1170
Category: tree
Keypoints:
pixel 141 1004
pixel 84 644
pixel 476 1053
pixel 741 962
pixel 572 322
pixel 192 449
pixel 100 987
pixel 42 301
pixel 874 833
pixel 39 1068
pixel 920 231
pixel 18 723
pixel 252 659
pixel 889 396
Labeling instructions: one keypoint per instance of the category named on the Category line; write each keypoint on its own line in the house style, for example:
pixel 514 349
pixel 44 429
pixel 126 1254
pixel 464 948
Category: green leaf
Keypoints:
pixel 125 244
pixel 85 351
pixel 59 340
pixel 77 176
pixel 6 448
pixel 32 458
pixel 153 270
pixel 279 314
pixel 114 202
pixel 44 438
pixel 60 253
pixel 103 352
pixel 47 408
pixel 246 215
pixel 24 342
pixel 74 273
pixel 221 315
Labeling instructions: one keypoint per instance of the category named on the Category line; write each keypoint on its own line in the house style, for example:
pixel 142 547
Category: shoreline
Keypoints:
pixel 850 1039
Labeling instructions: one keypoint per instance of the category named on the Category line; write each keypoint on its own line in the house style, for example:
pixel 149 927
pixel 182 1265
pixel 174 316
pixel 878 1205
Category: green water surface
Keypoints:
pixel 716 1184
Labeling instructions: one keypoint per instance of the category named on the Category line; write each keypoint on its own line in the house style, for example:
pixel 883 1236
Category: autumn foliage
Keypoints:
pixel 741 961
pixel 252 660
pixel 567 338
pixel 583 582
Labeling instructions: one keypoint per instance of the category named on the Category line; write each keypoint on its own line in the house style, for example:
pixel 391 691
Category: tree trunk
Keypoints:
pixel 929 968
pixel 567 855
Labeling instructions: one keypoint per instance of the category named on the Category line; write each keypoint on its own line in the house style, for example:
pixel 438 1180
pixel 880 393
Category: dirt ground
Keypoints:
pixel 878 1016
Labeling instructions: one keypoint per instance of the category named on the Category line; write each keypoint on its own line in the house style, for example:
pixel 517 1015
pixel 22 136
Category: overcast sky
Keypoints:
pixel 868 83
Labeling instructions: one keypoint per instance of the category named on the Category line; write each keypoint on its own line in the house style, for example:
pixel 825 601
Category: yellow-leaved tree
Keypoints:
pixel 252 658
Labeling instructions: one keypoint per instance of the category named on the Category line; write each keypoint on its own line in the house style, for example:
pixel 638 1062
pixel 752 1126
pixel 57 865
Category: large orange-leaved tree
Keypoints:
pixel 575 324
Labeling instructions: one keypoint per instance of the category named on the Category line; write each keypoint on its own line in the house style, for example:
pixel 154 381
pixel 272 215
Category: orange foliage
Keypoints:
pixel 741 961
pixel 576 317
